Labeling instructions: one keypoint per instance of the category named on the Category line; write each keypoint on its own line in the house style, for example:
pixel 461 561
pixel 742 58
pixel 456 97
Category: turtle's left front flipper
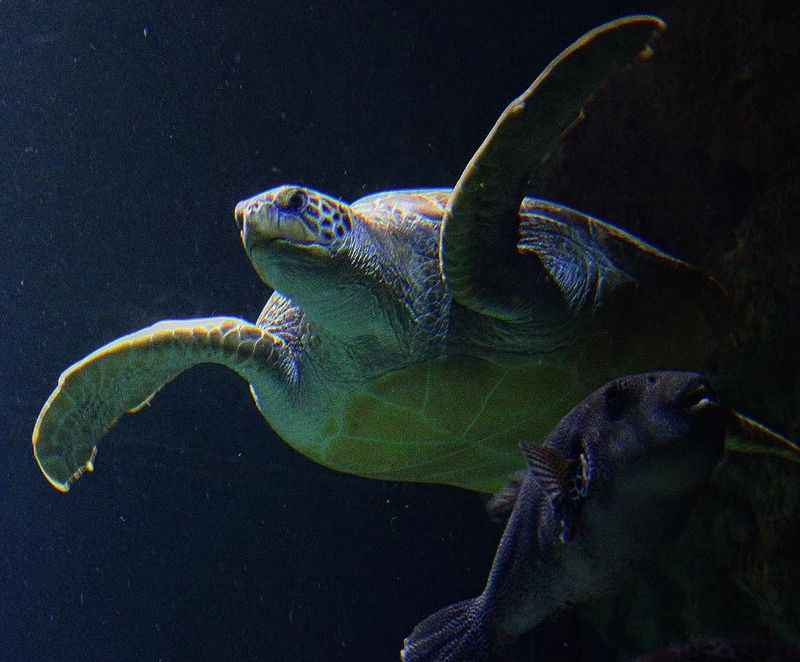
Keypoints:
pixel 480 229
pixel 124 375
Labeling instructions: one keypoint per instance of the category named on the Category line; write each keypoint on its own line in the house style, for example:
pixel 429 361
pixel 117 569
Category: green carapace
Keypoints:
pixel 419 335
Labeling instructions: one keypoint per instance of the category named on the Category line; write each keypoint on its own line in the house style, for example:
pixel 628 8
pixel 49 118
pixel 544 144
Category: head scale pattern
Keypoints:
pixel 327 218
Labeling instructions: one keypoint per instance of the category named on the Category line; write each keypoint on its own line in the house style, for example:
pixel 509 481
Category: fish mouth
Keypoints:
pixel 699 398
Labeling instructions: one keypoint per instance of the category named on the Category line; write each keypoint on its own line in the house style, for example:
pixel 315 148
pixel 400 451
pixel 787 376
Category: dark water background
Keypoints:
pixel 128 132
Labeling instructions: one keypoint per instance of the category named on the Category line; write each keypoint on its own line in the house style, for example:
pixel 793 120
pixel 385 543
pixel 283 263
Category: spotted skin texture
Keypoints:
pixel 327 220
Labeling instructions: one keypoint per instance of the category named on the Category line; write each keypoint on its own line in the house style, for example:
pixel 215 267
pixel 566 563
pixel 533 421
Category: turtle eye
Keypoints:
pixel 295 201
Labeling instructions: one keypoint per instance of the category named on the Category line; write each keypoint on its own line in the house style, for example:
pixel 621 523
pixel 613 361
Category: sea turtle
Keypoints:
pixel 418 335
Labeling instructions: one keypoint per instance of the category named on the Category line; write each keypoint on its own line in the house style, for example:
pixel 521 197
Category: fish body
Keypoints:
pixel 615 477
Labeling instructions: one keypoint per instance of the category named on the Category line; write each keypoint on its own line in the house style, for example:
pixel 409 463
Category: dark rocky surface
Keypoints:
pixel 697 151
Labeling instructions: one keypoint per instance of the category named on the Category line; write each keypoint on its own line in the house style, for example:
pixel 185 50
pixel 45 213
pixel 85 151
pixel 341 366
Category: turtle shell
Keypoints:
pixel 457 418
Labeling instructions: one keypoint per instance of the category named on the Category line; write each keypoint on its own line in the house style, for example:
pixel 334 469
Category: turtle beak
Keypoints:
pixel 252 219
pixel 260 221
pixel 239 215
pixel 245 225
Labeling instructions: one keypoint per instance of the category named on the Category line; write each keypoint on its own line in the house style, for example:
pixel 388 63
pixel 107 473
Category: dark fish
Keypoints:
pixel 726 650
pixel 615 477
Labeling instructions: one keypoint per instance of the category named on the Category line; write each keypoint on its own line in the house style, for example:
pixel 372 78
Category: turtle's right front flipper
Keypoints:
pixel 479 231
pixel 124 375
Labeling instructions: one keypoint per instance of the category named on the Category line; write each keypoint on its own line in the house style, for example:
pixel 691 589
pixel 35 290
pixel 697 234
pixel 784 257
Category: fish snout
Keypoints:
pixel 707 416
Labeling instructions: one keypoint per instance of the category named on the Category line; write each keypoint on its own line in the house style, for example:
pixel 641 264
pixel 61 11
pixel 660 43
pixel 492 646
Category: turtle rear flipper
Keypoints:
pixel 125 374
pixel 480 229
pixel 596 265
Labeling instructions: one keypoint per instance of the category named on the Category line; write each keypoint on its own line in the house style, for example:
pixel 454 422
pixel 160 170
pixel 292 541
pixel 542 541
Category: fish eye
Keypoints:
pixel 294 201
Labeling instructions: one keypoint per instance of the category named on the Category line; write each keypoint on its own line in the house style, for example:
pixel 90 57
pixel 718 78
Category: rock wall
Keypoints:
pixel 698 151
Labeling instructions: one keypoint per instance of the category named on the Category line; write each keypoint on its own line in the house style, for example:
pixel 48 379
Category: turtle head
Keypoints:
pixel 310 246
pixel 294 216
pixel 295 237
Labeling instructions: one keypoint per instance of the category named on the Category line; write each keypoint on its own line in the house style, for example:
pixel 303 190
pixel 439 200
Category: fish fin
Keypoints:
pixel 551 470
pixel 747 435
pixel 458 633
pixel 501 504
pixel 569 520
